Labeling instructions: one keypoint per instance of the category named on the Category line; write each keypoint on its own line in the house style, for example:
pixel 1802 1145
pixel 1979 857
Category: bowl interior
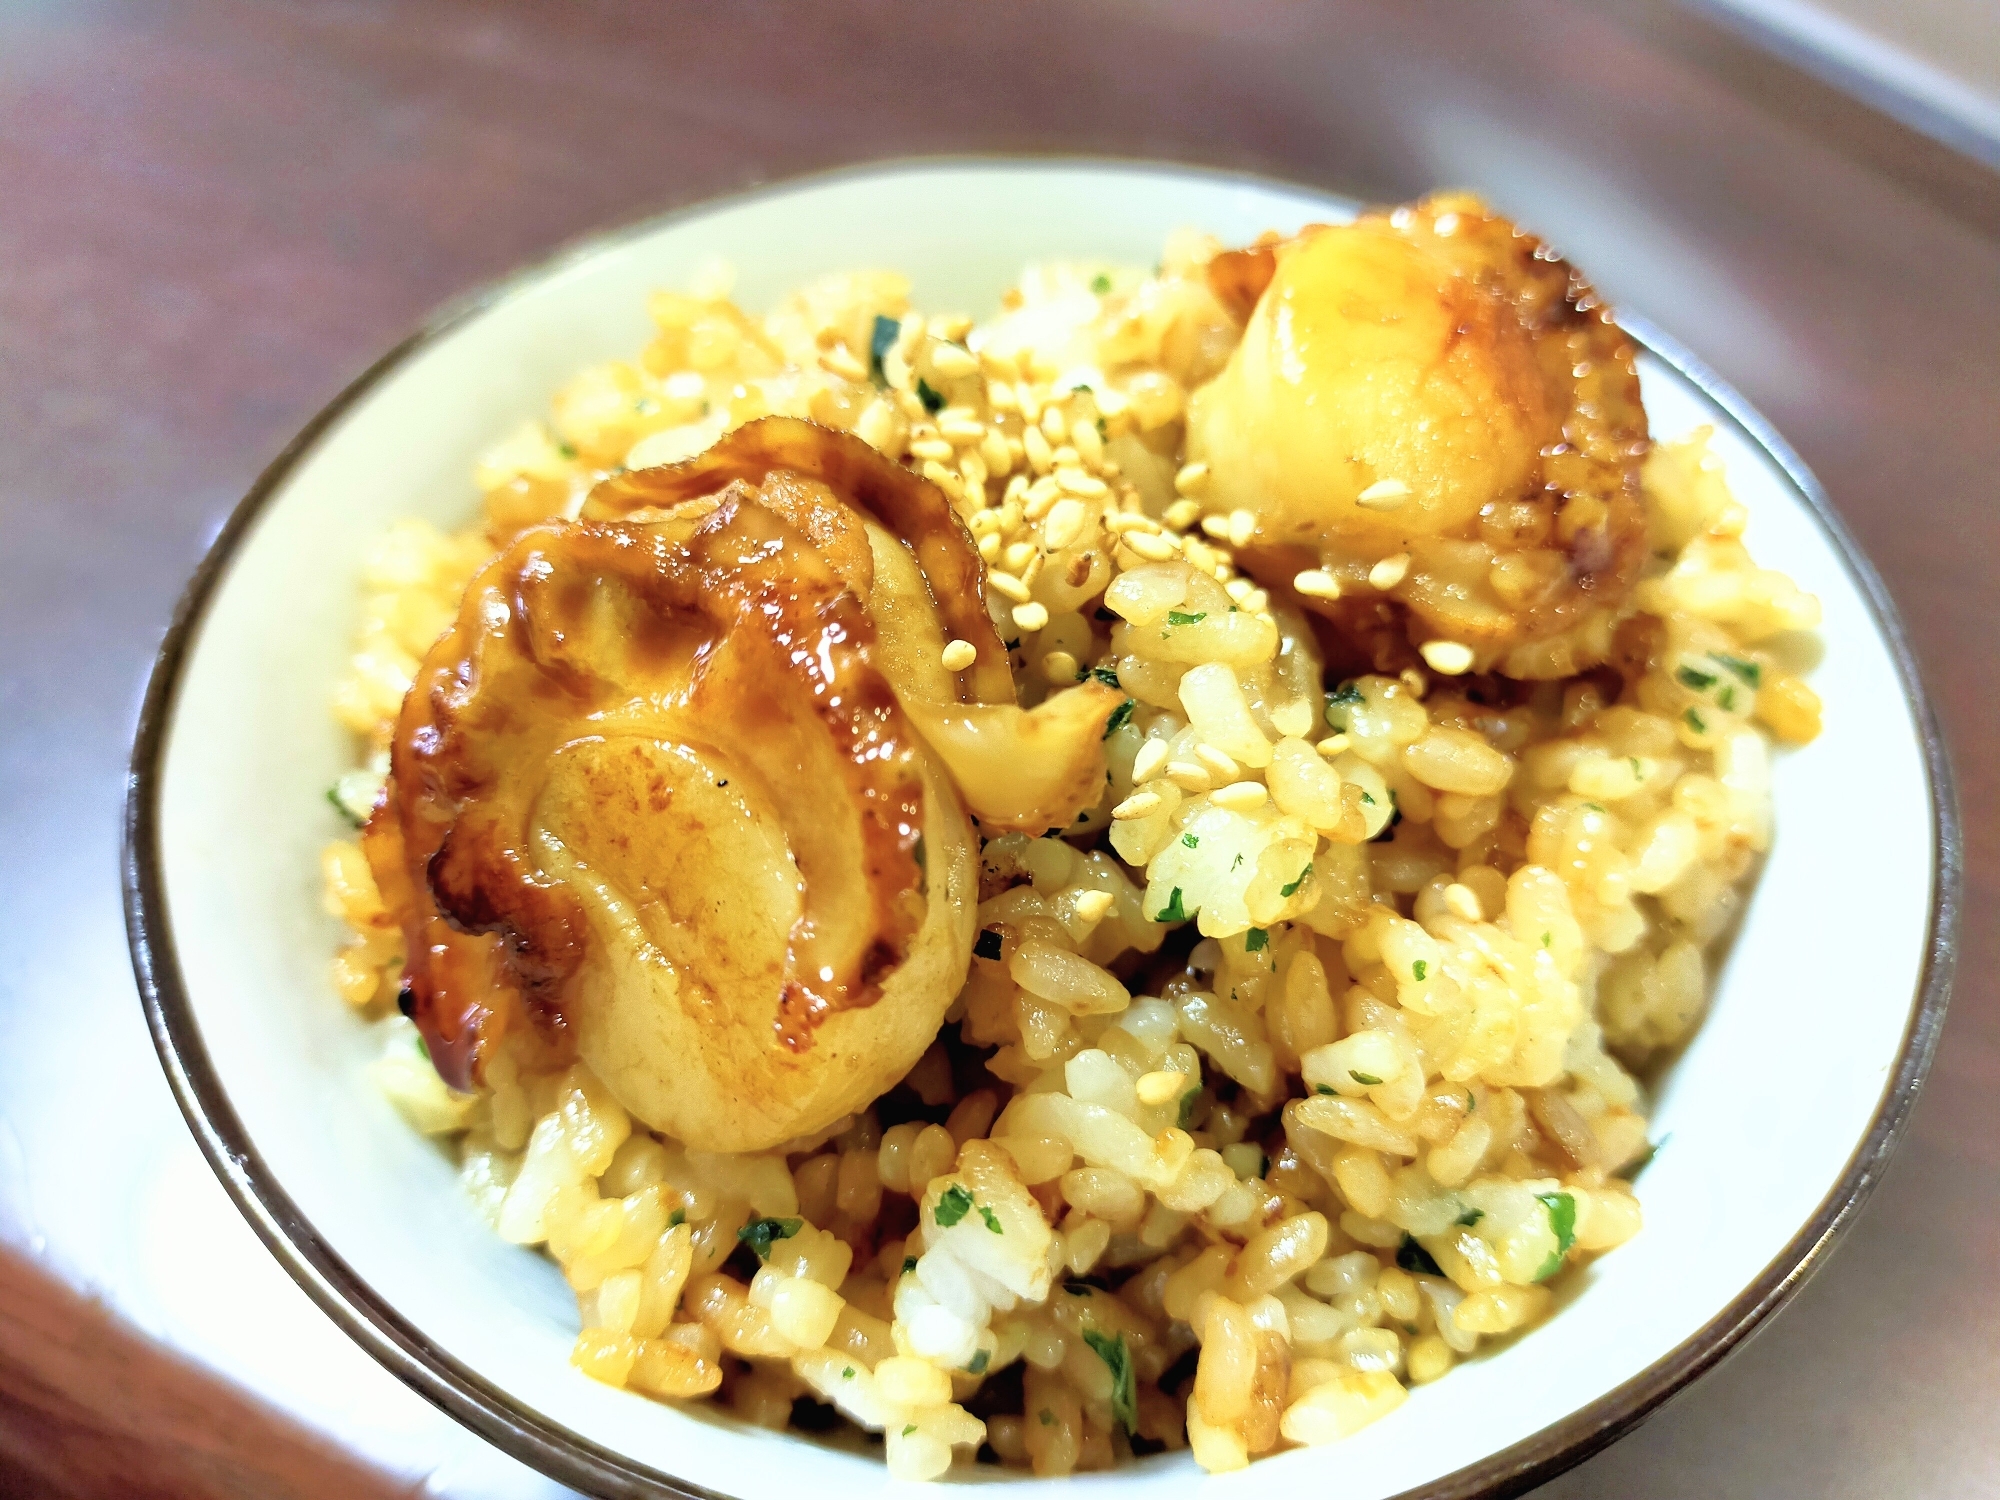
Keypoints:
pixel 1759 1116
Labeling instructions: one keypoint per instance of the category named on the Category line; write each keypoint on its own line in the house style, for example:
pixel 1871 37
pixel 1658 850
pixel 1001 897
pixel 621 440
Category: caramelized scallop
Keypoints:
pixel 1432 384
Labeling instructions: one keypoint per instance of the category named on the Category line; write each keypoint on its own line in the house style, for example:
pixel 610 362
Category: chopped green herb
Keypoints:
pixel 933 402
pixel 909 1264
pixel 1562 1219
pixel 1366 797
pixel 1471 1101
pixel 1346 696
pixel 923 858
pixel 1366 1080
pixel 991 1219
pixel 1191 840
pixel 880 341
pixel 1048 1418
pixel 1120 717
pixel 1102 430
pixel 1694 722
pixel 1414 1258
pixel 1470 1217
pixel 1638 771
pixel 333 796
pixel 1236 863
pixel 677 1218
pixel 847 1373
pixel 1188 1101
pixel 1293 888
pixel 981 1358
pixel 1256 940
pixel 1727 698
pixel 1751 673
pixel 1176 617
pixel 1548 938
pixel 1124 1395
pixel 567 450
pixel 1419 969
pixel 909 1428
pixel 1172 911
pixel 759 1233
pixel 952 1205
pixel 1699 682
pixel 1325 1088
pixel 1100 283
pixel 1106 675
pixel 1631 1170
pixel 987 944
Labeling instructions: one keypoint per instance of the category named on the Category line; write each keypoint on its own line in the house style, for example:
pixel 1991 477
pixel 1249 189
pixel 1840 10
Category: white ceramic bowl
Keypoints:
pixel 1840 991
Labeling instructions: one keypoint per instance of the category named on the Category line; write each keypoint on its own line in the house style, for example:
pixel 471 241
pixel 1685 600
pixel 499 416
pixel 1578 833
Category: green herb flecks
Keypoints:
pixel 1339 701
pixel 1124 1393
pixel 991 1219
pixel 1047 1417
pixel 1726 699
pixel 677 1218
pixel 1695 681
pixel 1256 940
pixel 847 1372
pixel 1470 1217
pixel 1419 969
pixel 1178 617
pixel 1106 675
pixel 981 1358
pixel 1366 1080
pixel 1293 888
pixel 567 450
pixel 933 402
pixel 1695 722
pixel 1414 1258
pixel 1173 910
pixel 1750 672
pixel 1186 1112
pixel 759 1234
pixel 1190 841
pixel 909 1264
pixel 1120 717
pixel 953 1204
pixel 1100 283
pixel 880 341
pixel 1325 1088
pixel 1562 1219
pixel 909 1428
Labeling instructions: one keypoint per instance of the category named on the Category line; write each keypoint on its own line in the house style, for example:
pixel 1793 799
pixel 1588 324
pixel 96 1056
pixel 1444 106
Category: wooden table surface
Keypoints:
pixel 212 214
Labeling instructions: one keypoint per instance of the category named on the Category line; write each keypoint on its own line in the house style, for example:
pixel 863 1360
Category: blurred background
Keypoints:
pixel 214 214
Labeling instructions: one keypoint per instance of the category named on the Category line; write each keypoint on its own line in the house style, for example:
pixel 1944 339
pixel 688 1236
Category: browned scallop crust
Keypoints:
pixel 733 629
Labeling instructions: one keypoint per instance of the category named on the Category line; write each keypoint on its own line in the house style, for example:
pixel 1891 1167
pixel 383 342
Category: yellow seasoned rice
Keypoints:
pixel 1388 1099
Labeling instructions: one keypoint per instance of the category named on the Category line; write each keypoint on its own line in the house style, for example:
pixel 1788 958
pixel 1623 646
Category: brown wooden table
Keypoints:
pixel 213 213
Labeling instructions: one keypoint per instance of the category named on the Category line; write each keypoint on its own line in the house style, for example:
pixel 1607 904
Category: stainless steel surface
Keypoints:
pixel 210 217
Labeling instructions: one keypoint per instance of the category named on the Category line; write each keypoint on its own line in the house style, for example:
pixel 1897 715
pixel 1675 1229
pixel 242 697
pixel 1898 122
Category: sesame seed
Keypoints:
pixel 1448 657
pixel 1008 586
pixel 960 430
pixel 1064 524
pixel 1334 744
pixel 953 361
pixel 958 655
pixel 1215 526
pixel 1051 426
pixel 1151 545
pixel 1163 1087
pixel 1239 796
pixel 933 448
pixel 840 360
pixel 1415 681
pixel 1316 583
pixel 1130 521
pixel 989 546
pixel 1079 483
pixel 1136 806
pixel 1462 901
pixel 1000 396
pixel 1182 514
pixel 1256 601
pixel 1040 456
pixel 1219 764
pixel 1017 555
pixel 1083 437
pixel 1059 667
pixel 943 478
pixel 1192 479
pixel 1242 526
pixel 876 426
pixel 998 366
pixel 972 466
pixel 1031 616
pixel 950 326
pixel 1151 757
pixel 1034 566
pixel 1383 494
pixel 1017 486
pixel 993 448
pixel 1294 719
pixel 1094 906
pixel 1188 776
pixel 1389 572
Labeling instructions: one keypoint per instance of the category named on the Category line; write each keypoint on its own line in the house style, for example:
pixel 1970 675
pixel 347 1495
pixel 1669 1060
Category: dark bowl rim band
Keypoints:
pixel 572 1459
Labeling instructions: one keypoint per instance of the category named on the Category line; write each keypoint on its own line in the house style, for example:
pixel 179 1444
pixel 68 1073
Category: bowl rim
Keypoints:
pixel 573 1459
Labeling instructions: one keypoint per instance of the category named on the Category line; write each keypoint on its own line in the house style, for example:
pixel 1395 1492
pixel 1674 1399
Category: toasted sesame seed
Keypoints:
pixel 1051 426
pixel 960 430
pixel 1000 395
pixel 1242 526
pixel 1215 526
pixel 934 448
pixel 1036 447
pixel 1130 520
pixel 1389 572
pixel 1188 776
pixel 1239 796
pixel 1218 762
pixel 1462 901
pixel 998 366
pixel 1084 438
pixel 972 466
pixel 989 546
pixel 840 360
pixel 1031 616
pixel 1163 1087
pixel 1017 556
pixel 1064 457
pixel 958 655
pixel 1064 524
pixel 1334 744
pixel 1192 479
pixel 1017 486
pixel 1034 566
pixel 1151 545
pixel 1079 483
pixel 1182 514
pixel 1316 583
pixel 1383 494
pixel 1151 757
pixel 1136 806
pixel 953 361
pixel 1093 906
pixel 943 478
pixel 1294 718
pixel 993 448
pixel 1448 657
pixel 1415 681
pixel 1059 667
pixel 1007 586
pixel 1256 601
pixel 876 426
